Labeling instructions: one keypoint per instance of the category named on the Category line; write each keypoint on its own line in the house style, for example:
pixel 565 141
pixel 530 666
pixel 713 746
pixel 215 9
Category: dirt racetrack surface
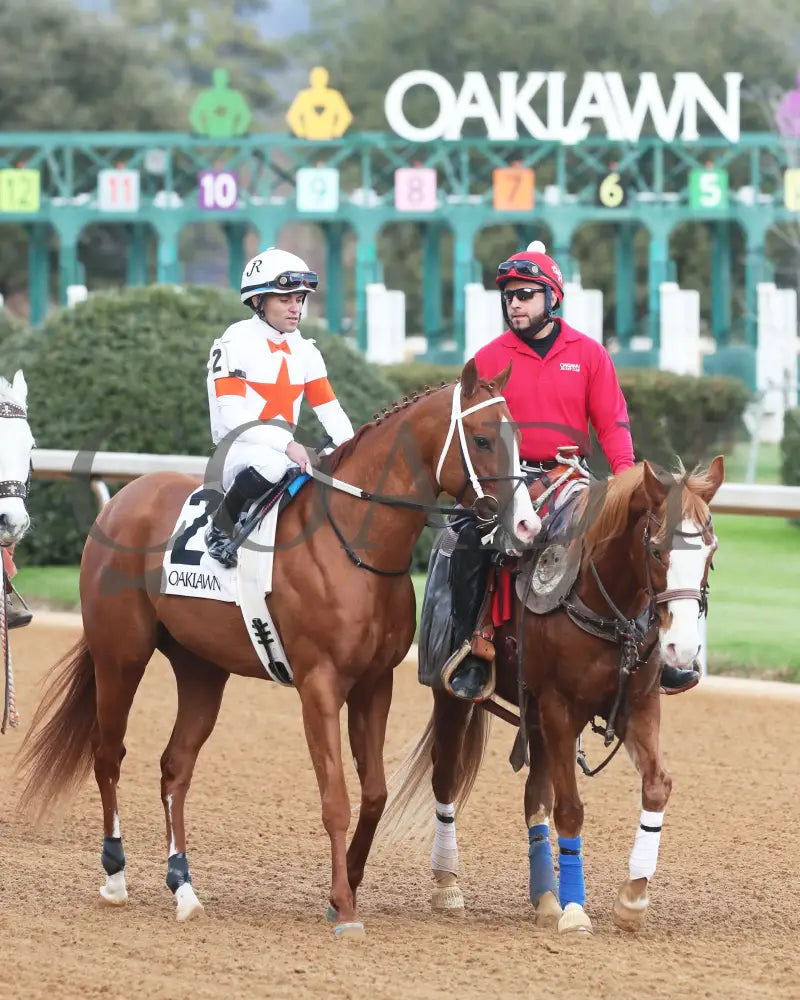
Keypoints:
pixel 724 903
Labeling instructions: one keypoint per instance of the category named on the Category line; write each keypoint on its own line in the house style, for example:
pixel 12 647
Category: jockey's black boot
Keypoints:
pixel 675 681
pixel 464 674
pixel 16 616
pixel 248 485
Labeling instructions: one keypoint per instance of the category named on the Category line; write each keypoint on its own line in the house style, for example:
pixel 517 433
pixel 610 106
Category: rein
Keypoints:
pixel 10 714
pixel 489 503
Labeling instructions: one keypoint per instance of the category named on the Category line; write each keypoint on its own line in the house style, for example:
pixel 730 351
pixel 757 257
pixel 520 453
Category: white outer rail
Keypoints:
pixel 119 466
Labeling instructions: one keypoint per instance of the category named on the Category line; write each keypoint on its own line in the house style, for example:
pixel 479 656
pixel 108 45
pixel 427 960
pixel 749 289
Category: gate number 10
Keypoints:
pixel 217 190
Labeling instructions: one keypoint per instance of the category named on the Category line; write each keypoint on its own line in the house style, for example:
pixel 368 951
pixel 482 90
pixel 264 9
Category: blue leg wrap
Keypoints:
pixel 540 857
pixel 571 887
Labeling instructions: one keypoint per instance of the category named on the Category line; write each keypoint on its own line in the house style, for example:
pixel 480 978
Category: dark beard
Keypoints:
pixel 529 332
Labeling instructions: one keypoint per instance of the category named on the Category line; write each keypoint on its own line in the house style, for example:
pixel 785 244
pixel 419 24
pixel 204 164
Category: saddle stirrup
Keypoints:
pixel 248 485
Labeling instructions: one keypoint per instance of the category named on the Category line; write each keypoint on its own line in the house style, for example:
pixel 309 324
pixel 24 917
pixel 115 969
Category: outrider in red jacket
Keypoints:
pixel 552 399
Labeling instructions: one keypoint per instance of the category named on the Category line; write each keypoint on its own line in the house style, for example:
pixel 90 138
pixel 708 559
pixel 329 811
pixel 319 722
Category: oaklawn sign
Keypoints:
pixel 602 97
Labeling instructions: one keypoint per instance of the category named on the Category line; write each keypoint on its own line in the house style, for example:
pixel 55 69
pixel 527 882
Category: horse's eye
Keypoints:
pixel 482 443
pixel 656 554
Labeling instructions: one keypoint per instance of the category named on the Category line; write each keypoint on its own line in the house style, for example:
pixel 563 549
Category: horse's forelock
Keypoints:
pixel 696 484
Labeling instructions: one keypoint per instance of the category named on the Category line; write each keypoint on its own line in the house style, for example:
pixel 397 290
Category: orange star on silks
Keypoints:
pixel 279 395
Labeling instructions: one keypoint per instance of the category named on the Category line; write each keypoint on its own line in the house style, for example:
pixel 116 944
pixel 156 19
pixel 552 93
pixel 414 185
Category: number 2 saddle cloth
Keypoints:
pixel 189 571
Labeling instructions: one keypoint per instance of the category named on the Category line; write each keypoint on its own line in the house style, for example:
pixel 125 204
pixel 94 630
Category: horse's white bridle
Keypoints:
pixel 457 422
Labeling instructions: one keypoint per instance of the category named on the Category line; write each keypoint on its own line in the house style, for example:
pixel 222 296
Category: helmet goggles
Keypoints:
pixel 293 281
pixel 529 268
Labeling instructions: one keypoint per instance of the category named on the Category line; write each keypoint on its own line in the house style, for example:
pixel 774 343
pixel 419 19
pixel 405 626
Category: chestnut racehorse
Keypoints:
pixel 343 604
pixel 647 543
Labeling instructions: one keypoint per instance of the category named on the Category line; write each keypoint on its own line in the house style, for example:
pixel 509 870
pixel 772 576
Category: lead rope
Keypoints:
pixel 10 714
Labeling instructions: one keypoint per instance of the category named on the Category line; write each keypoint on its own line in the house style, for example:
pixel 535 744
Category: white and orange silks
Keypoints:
pixel 257 373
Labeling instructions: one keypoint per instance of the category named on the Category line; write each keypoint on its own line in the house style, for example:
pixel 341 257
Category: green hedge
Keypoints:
pixel 10 329
pixel 679 416
pixel 125 371
pixel 790 448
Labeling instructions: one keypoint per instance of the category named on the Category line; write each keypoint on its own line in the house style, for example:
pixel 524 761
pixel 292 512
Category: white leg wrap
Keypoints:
pixel 115 891
pixel 644 855
pixel 444 856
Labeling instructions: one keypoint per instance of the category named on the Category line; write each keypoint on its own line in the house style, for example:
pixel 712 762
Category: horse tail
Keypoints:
pixel 411 803
pixel 56 755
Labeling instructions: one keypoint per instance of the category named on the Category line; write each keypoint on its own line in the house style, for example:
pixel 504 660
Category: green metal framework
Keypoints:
pixel 656 175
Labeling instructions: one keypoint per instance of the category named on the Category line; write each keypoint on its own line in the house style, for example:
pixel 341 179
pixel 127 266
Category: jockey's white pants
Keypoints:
pixel 271 463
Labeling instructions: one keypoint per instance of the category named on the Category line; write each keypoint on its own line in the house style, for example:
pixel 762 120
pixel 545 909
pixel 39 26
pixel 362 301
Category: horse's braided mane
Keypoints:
pixel 610 520
pixel 330 463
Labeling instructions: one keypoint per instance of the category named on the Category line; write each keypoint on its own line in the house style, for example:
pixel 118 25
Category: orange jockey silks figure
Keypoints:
pixel 259 371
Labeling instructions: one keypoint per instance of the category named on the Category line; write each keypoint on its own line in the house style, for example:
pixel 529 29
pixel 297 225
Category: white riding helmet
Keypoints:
pixel 276 272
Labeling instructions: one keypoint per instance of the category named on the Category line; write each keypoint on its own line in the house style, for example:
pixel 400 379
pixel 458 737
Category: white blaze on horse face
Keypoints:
pixel 680 641
pixel 523 523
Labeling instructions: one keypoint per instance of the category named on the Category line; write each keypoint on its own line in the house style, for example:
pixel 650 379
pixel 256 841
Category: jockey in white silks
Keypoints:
pixel 259 370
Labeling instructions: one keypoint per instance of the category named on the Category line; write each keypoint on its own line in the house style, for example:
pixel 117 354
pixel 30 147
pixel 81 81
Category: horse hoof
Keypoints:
pixel 189 906
pixel 574 921
pixel 349 931
pixel 114 892
pixel 630 914
pixel 548 911
pixel 448 900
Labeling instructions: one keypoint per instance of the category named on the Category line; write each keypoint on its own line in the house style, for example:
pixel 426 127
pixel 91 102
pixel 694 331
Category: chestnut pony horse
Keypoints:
pixel 647 544
pixel 344 628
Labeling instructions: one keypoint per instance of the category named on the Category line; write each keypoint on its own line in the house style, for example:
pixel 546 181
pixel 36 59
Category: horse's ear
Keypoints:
pixel 20 387
pixel 650 493
pixel 501 381
pixel 715 477
pixel 469 378
pixel 654 486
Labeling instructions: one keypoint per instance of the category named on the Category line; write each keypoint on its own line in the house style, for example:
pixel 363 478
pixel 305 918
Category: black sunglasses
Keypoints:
pixel 523 294
pixel 529 267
